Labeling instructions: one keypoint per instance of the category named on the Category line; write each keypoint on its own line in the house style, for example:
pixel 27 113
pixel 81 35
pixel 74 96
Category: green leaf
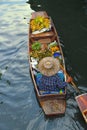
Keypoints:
pixel 36 46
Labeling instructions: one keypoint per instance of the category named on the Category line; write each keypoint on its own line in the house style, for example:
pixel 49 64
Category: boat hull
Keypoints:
pixel 82 103
pixel 55 103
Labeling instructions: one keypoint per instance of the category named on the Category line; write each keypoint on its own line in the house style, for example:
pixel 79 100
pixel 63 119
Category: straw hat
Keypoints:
pixel 49 66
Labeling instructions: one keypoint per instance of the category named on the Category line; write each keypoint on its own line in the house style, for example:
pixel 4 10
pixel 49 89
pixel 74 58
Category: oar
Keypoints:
pixel 70 80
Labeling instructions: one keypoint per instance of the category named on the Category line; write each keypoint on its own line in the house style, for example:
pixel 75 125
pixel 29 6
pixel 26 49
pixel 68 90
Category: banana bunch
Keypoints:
pixel 39 23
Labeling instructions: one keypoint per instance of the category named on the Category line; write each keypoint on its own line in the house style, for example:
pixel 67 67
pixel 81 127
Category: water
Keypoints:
pixel 19 109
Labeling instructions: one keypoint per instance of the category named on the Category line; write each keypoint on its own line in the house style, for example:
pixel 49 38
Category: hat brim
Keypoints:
pixel 52 71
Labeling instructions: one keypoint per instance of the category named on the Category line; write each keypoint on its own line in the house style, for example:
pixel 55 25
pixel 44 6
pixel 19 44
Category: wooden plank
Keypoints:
pixel 82 103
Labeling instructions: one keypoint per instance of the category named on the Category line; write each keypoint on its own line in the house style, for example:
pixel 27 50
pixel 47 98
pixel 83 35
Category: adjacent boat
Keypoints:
pixel 44 42
pixel 82 103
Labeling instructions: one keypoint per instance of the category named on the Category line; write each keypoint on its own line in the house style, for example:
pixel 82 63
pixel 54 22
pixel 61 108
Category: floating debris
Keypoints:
pixel 0 75
pixel 38 5
pixel 8 82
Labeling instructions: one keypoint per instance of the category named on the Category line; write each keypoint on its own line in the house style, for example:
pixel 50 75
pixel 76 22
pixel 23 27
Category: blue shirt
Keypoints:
pixel 50 83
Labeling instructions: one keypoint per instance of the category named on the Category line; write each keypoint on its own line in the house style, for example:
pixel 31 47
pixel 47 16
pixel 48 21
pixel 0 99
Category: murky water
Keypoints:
pixel 19 109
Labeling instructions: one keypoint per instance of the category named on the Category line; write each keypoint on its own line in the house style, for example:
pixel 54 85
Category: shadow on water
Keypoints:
pixel 70 19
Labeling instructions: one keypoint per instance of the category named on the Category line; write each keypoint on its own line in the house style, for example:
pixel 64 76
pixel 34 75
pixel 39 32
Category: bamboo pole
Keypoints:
pixel 71 80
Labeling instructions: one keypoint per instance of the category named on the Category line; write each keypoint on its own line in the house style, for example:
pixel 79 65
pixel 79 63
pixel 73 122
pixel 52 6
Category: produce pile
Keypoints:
pixel 39 23
pixel 39 53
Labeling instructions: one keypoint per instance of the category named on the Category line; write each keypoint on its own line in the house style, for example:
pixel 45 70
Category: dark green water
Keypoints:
pixel 70 18
pixel 19 108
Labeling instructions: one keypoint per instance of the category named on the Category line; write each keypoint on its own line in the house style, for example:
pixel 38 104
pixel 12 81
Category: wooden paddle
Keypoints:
pixel 70 80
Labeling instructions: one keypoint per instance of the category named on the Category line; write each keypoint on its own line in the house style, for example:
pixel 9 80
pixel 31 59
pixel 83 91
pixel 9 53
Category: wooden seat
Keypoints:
pixel 43 41
pixel 45 34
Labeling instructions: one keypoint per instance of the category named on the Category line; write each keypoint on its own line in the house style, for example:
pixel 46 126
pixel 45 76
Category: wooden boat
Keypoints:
pixel 82 103
pixel 53 103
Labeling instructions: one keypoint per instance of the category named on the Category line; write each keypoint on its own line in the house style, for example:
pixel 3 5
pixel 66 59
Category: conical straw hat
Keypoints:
pixel 49 66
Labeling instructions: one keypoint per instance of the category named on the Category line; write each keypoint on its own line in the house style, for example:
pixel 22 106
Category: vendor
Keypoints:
pixel 49 79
